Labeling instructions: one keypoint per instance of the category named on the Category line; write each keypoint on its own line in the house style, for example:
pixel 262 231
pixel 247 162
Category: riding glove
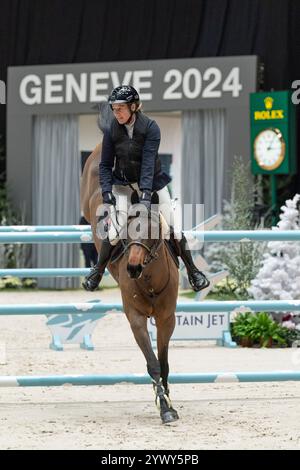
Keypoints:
pixel 109 198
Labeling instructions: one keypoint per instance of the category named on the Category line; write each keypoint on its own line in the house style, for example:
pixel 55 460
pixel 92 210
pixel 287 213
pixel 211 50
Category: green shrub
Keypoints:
pixel 259 328
pixel 11 282
pixel 11 255
pixel 29 283
pixel 290 336
pixel 264 330
pixel 241 325
pixel 225 287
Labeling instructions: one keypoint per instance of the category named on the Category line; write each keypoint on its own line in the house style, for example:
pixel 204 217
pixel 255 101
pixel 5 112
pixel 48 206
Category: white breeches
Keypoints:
pixel 119 213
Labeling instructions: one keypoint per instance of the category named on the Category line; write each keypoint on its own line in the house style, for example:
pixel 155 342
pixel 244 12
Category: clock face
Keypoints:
pixel 269 149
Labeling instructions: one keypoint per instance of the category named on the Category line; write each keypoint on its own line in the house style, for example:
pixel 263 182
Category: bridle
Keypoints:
pixel 152 254
pixel 152 251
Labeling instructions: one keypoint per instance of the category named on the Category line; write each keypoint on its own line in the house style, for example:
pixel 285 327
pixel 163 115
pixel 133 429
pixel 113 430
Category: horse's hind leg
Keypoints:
pixel 138 325
pixel 165 329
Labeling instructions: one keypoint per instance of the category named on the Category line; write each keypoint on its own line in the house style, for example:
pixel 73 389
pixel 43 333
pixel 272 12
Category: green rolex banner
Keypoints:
pixel 273 133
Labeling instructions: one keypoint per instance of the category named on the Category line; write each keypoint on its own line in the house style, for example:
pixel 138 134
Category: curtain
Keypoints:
pixel 55 191
pixel 203 159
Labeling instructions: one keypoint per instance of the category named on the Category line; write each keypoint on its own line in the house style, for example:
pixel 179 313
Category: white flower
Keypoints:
pixel 289 324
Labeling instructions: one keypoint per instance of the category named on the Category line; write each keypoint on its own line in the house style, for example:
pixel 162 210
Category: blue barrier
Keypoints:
pixel 45 272
pixel 70 234
pixel 141 379
pixel 46 237
pixel 215 306
pixel 45 228
pixel 211 236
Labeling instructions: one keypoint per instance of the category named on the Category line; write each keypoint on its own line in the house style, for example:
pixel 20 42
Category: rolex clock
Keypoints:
pixel 269 149
pixel 273 133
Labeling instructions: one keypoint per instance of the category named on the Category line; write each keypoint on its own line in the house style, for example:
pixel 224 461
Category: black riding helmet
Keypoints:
pixel 124 94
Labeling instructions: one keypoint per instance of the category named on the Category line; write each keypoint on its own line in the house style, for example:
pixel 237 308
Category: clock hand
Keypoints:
pixel 270 146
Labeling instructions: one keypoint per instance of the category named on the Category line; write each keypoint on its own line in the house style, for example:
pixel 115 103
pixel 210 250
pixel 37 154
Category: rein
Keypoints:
pixel 152 254
pixel 150 291
pixel 152 251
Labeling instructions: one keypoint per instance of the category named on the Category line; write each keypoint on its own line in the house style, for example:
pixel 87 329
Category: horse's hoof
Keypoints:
pixel 169 417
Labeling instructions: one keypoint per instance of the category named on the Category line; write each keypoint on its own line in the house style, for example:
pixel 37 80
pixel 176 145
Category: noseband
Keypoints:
pixel 152 252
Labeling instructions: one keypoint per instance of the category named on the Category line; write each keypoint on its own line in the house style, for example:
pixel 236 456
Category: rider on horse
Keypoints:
pixel 130 161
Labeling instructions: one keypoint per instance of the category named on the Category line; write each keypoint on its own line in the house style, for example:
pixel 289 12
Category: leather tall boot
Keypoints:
pixel 92 280
pixel 197 278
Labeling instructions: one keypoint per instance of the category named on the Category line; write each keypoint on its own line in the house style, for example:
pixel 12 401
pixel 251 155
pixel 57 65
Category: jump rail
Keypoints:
pixel 99 307
pixel 45 272
pixel 208 223
pixel 70 234
pixel 45 228
pixel 141 379
pixel 209 236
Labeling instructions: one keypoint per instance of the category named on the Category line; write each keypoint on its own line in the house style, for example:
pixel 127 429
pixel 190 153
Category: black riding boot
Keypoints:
pixel 197 279
pixel 92 280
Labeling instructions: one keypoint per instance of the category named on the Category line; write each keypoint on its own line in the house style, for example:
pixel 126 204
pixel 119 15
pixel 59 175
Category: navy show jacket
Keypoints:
pixel 148 179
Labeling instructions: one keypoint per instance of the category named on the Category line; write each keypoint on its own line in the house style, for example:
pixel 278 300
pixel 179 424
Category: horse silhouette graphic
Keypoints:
pixel 73 329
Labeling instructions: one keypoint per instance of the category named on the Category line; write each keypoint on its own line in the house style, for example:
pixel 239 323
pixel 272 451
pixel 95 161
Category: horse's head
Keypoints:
pixel 143 235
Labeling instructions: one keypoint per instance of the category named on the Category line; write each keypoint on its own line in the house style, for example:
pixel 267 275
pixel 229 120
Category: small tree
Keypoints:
pixel 279 274
pixel 11 256
pixel 240 259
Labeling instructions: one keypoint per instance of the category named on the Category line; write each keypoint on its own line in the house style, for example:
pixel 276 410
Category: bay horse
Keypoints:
pixel 148 279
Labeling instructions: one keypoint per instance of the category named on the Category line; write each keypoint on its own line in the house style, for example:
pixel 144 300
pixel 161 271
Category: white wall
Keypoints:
pixel 89 133
pixel 170 126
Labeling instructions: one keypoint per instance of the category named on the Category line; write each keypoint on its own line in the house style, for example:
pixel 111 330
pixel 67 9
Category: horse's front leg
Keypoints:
pixel 138 325
pixel 165 328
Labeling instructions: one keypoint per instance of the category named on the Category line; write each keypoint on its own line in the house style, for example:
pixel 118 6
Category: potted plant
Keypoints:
pixel 259 328
pixel 241 329
pixel 265 331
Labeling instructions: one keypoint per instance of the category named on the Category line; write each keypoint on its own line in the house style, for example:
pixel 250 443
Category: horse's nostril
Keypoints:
pixel 134 270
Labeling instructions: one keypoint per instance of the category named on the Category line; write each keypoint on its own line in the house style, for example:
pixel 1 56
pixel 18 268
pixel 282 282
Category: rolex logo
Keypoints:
pixel 269 112
pixel 268 102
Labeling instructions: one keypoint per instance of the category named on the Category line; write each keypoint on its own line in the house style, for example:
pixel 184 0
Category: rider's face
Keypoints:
pixel 121 112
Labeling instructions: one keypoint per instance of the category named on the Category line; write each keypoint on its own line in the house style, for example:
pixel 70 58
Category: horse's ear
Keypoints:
pixel 154 198
pixel 135 197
